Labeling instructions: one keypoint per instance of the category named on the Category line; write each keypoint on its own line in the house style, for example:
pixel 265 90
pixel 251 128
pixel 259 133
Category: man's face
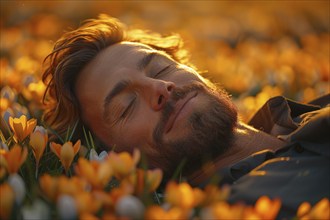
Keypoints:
pixel 134 96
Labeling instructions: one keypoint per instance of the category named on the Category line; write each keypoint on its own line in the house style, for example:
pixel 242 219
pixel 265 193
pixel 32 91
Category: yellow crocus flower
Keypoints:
pixel 180 195
pixel 22 127
pixel 15 157
pixel 38 142
pixel 267 208
pixel 155 212
pixel 49 187
pixel 321 210
pixel 98 174
pixel 223 210
pixel 7 201
pixel 3 163
pixel 153 179
pixel 87 203
pixel 65 152
pixel 124 164
pixel 146 180
pixel 54 186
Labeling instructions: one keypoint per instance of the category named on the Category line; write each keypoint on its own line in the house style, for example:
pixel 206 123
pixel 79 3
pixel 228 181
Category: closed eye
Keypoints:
pixel 130 107
pixel 163 71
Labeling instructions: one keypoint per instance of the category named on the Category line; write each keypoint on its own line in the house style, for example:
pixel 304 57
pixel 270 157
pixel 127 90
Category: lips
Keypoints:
pixel 179 106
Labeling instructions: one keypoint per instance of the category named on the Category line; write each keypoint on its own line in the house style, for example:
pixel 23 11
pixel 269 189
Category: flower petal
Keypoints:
pixel 38 143
pixel 154 177
pixel 31 124
pixel 49 186
pixel 136 155
pixel 76 147
pixel 104 173
pixel 7 201
pixel 67 155
pixel 11 123
pixel 15 158
pixel 18 127
pixel 56 148
pixel 84 169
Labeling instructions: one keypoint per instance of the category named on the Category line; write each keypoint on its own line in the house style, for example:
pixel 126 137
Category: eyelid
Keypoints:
pixel 163 70
pixel 128 108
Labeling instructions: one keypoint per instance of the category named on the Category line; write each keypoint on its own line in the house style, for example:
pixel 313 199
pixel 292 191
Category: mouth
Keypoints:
pixel 178 109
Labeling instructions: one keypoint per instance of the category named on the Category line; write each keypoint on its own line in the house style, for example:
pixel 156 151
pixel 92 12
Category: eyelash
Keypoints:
pixel 128 109
pixel 163 70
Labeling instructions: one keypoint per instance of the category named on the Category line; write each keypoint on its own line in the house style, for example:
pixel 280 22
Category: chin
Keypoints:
pixel 206 134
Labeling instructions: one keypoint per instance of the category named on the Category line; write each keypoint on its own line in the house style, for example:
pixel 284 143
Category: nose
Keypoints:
pixel 160 94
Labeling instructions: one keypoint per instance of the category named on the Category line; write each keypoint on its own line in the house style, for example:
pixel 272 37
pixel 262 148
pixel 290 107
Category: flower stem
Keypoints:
pixel 36 173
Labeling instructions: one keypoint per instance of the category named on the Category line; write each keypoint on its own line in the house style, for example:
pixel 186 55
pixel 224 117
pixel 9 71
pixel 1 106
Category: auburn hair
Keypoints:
pixel 78 47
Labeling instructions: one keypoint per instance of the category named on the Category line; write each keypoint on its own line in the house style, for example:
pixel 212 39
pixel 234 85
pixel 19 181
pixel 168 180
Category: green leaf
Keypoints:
pixel 178 171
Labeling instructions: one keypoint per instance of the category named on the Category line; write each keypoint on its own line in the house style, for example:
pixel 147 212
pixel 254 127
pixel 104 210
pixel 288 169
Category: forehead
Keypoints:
pixel 109 63
pixel 121 55
pixel 101 73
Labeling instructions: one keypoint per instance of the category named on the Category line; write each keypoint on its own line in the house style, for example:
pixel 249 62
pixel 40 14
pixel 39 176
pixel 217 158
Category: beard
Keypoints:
pixel 209 135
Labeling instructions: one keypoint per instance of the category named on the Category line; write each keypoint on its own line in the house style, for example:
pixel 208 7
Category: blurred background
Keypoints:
pixel 255 49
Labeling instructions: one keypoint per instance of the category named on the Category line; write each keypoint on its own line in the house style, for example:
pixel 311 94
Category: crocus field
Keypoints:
pixel 254 49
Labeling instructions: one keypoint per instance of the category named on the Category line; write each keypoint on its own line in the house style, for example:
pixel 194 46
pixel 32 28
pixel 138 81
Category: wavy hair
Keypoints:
pixel 78 47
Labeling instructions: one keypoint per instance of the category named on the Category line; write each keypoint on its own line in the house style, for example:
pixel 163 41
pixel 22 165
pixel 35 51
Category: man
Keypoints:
pixel 133 90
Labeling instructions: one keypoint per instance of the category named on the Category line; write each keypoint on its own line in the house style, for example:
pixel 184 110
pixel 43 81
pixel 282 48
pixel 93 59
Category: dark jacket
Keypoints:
pixel 296 173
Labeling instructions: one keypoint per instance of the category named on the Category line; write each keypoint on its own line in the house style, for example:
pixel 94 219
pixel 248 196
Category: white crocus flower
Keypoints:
pixel 130 206
pixel 17 184
pixel 41 129
pixel 66 207
pixel 38 210
pixel 4 146
pixel 98 157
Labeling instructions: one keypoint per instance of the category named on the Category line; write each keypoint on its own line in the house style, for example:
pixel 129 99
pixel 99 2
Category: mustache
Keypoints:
pixel 169 107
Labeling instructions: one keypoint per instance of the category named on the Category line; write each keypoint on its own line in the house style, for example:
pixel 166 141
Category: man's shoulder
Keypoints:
pixel 313 132
pixel 321 101
pixel 282 116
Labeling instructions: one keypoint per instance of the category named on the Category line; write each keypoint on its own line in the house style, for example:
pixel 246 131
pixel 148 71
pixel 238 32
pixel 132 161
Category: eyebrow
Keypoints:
pixel 146 60
pixel 122 85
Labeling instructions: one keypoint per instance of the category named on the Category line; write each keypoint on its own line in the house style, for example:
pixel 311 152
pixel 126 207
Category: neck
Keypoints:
pixel 247 141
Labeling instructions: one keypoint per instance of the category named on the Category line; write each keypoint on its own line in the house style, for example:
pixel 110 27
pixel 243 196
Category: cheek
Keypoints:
pixel 137 132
